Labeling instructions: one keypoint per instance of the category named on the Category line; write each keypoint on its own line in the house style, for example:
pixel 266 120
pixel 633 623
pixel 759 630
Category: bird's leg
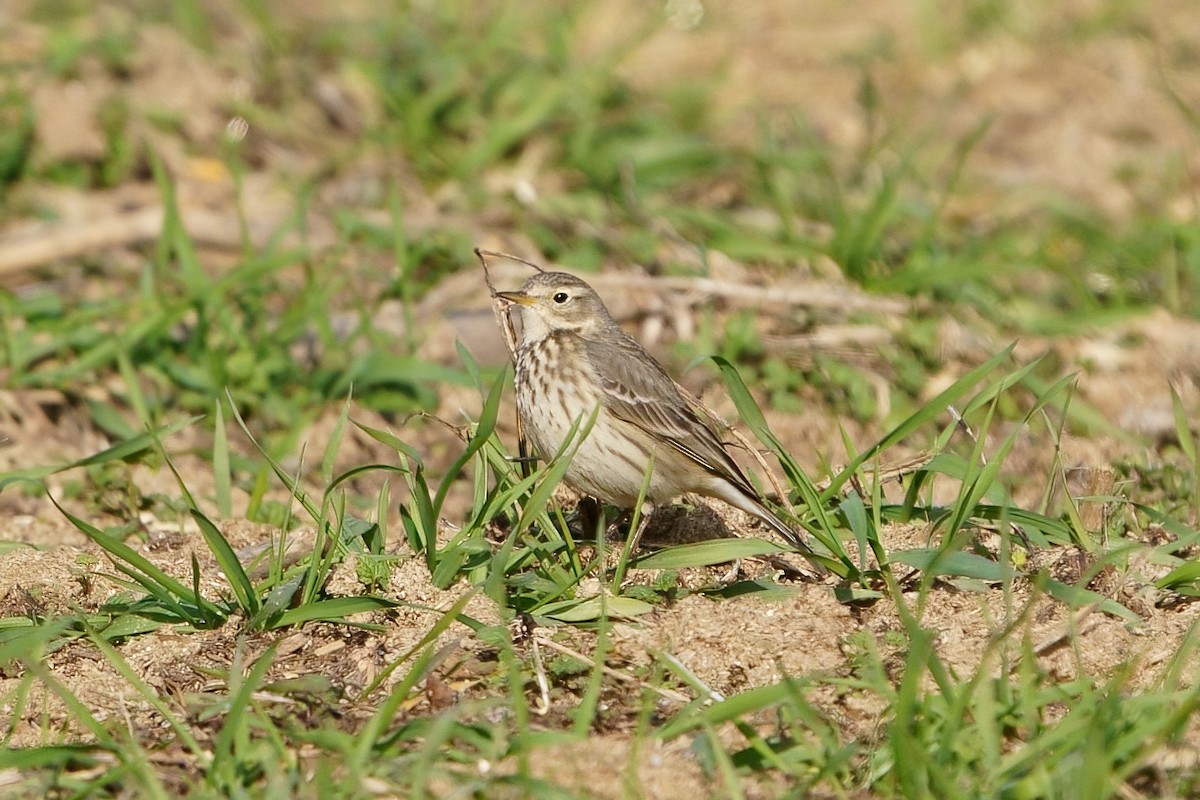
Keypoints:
pixel 619 521
pixel 735 571
pixel 589 514
pixel 528 462
pixel 791 572
pixel 643 523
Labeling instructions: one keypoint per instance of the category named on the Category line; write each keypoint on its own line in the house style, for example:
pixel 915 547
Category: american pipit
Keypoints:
pixel 574 360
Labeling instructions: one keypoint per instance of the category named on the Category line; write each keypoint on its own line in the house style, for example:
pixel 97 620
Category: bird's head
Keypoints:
pixel 550 302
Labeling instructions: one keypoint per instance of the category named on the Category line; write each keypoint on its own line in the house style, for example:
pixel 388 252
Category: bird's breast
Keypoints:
pixel 555 387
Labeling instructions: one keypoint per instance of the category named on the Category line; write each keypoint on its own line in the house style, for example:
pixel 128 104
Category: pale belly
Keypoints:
pixel 610 462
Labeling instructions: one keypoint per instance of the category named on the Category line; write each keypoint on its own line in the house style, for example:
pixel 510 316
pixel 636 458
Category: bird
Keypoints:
pixel 574 360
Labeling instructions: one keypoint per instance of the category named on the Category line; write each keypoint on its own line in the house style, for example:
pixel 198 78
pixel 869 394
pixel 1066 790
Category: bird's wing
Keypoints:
pixel 639 391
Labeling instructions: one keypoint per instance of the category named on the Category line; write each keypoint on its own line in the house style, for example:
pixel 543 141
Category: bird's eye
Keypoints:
pixel 561 297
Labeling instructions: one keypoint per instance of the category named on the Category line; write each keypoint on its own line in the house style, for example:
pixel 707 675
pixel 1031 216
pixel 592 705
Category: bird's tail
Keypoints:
pixel 743 497
pixel 790 535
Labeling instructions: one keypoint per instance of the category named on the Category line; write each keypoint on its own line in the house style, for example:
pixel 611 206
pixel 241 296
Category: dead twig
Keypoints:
pixel 669 694
pixel 484 255
pixel 500 308
pixel 72 240
pixel 889 472
pixel 67 241
pixel 824 295
pixel 499 305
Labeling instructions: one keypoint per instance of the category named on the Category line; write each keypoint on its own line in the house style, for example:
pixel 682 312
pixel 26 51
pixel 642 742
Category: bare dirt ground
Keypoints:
pixel 1085 117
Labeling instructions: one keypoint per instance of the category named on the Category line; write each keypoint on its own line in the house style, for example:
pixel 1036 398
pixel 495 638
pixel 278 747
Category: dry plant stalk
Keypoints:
pixel 504 320
pixel 892 471
pixel 499 308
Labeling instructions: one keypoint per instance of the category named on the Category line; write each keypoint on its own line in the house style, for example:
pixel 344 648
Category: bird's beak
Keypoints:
pixel 519 298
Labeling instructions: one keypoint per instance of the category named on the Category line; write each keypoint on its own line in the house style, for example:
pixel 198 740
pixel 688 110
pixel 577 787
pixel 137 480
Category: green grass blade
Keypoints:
pixel 148 694
pixel 332 610
pixel 127 558
pixel 823 526
pixel 118 452
pixel 222 469
pixel 483 431
pixel 292 484
pixel 373 730
pixel 957 563
pixel 243 588
pixel 750 702
pixel 927 413
pixel 334 442
pixel 232 742
pixel 705 554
